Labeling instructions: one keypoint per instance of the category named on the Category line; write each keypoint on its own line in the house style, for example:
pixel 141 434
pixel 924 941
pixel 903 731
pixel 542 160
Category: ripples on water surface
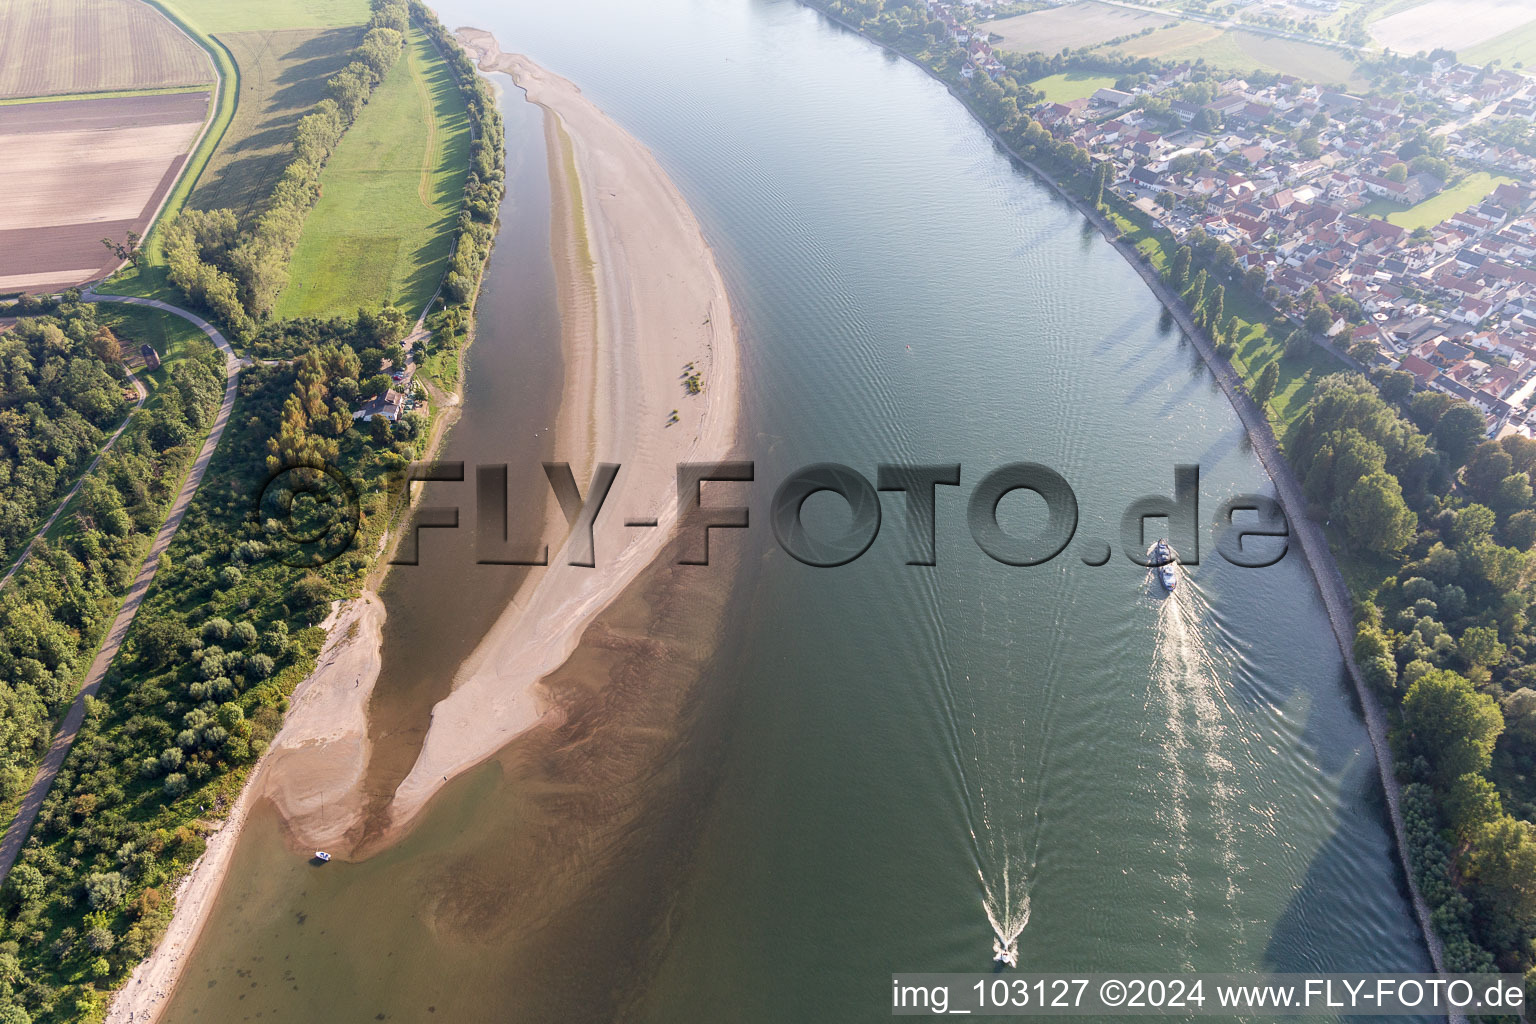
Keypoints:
pixel 880 757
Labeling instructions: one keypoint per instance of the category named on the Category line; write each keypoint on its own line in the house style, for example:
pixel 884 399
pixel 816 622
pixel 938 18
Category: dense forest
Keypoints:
pixel 1434 525
pixel 53 612
pixel 229 626
pixel 200 685
pixel 61 393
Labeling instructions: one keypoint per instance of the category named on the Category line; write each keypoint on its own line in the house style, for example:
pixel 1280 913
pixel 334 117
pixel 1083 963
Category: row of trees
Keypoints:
pixel 195 696
pixel 61 390
pixel 237 271
pixel 486 181
pixel 1444 640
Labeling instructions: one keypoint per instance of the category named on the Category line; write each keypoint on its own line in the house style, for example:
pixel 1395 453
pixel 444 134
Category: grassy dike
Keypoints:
pixel 390 194
pixel 226 94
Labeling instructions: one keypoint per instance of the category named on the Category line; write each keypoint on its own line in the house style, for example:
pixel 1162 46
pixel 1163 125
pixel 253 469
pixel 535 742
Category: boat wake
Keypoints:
pixel 1008 914
pixel 1189 692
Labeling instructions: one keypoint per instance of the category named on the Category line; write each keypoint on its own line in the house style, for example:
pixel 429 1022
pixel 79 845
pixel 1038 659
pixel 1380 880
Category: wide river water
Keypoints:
pixel 876 763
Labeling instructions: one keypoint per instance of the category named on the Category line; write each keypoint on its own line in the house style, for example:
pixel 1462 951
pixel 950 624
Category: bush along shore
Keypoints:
pixel 1431 525
pixel 230 625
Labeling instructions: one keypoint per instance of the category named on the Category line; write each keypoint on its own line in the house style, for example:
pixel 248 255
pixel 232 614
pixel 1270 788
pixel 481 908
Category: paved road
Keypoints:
pixel 15 836
pixel 27 551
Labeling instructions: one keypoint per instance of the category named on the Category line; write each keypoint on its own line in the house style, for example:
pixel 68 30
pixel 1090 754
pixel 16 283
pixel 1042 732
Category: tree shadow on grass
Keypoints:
pixel 258 144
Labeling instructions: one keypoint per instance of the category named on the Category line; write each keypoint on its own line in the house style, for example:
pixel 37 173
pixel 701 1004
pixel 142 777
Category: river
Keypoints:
pixel 871 764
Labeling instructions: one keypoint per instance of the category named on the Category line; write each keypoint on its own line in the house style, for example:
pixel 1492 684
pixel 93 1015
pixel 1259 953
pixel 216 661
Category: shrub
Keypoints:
pixel 104 891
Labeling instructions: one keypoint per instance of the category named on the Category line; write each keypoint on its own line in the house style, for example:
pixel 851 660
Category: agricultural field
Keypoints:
pixel 390 197
pixel 71 47
pixel 1240 50
pixel 1077 25
pixel 1072 85
pixel 219 16
pixel 282 76
pixel 1436 208
pixel 1456 25
pixel 1514 49
pixel 93 169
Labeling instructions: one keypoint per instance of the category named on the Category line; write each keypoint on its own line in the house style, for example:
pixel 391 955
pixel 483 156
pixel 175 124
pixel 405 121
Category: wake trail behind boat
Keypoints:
pixel 1189 690
pixel 1003 869
pixel 1007 914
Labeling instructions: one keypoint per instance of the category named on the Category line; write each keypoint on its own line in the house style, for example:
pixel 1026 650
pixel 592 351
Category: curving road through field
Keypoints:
pixel 64 738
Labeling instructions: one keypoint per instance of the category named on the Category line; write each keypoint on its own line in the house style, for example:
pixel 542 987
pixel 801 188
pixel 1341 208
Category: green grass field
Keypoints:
pixel 1436 208
pixel 1514 49
pixel 1257 346
pixel 282 76
pixel 1239 50
pixel 390 197
pixel 217 16
pixel 171 336
pixel 1073 85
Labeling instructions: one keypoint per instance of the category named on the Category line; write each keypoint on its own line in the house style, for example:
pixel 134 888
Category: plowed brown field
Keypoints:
pixel 94 169
pixel 60 47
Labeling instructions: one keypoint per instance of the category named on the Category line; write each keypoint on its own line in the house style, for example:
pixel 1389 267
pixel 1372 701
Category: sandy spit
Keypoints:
pixel 325 738
pixel 641 297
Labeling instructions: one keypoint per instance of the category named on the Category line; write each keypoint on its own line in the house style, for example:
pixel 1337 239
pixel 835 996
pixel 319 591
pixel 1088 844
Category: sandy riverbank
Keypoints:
pixel 641 297
pixel 326 737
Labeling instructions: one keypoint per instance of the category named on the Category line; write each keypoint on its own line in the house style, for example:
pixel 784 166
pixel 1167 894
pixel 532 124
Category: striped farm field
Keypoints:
pixel 67 47
pixel 94 169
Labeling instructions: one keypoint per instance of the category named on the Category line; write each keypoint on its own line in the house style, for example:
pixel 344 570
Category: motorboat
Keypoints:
pixel 322 857
pixel 1005 953
pixel 1163 564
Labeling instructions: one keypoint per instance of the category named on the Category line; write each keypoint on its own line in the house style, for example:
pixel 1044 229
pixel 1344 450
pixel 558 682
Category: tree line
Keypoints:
pixel 483 188
pixel 1419 498
pixel 1447 639
pixel 55 609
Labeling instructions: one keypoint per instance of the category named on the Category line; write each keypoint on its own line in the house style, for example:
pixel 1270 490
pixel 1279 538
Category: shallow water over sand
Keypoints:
pixel 876 758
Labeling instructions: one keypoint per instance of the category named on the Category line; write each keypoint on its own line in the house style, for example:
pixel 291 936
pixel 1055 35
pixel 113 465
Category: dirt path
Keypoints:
pixel 64 502
pixel 424 186
pixel 64 738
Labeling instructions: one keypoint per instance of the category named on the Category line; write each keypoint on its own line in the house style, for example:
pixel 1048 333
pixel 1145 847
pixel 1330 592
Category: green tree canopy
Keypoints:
pixel 1375 514
pixel 1450 725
